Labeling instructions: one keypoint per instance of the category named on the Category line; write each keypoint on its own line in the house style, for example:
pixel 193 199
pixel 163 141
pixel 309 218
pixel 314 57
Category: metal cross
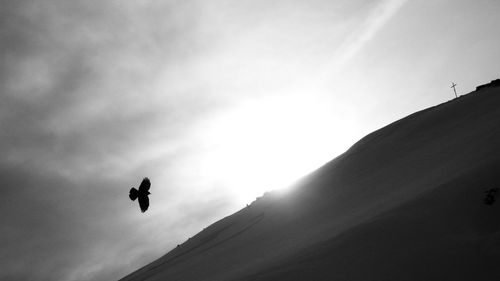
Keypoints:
pixel 453 85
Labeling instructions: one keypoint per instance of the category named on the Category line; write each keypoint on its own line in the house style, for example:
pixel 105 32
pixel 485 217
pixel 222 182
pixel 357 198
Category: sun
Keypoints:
pixel 267 144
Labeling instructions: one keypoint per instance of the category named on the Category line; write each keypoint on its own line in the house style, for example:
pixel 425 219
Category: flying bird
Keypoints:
pixel 142 194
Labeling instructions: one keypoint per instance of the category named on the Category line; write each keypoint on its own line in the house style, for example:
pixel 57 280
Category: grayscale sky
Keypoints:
pixel 215 101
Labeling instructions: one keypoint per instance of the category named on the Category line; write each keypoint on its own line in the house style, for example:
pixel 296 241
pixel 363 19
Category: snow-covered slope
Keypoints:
pixel 404 203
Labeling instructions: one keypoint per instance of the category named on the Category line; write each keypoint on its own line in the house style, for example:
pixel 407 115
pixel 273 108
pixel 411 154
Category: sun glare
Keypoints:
pixel 267 145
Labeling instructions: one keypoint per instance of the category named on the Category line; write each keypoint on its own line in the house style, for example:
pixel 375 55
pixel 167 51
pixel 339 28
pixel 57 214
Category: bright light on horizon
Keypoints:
pixel 267 144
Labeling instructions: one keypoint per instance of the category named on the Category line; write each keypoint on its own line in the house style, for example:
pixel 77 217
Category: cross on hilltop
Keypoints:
pixel 453 85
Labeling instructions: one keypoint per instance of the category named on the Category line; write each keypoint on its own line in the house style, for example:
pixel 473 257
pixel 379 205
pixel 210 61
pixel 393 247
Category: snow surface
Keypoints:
pixel 403 203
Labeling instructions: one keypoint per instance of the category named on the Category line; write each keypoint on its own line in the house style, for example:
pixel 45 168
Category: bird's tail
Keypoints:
pixel 134 193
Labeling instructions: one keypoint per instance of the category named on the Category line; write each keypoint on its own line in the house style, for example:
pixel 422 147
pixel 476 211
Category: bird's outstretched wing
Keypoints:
pixel 143 202
pixel 133 194
pixel 145 185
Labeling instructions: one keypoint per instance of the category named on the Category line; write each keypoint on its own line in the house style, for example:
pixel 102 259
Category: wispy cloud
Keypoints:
pixel 368 27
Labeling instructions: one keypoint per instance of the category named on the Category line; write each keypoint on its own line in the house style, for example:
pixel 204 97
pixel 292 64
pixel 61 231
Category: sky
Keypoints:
pixel 216 101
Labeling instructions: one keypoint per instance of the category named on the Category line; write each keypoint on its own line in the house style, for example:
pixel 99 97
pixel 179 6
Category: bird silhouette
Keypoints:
pixel 141 194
